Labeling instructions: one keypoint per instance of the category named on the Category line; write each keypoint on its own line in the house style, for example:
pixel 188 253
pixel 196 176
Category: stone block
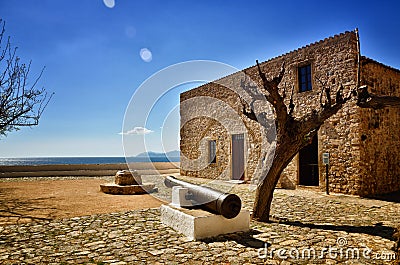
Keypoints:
pixel 198 224
pixel 127 177
pixel 179 197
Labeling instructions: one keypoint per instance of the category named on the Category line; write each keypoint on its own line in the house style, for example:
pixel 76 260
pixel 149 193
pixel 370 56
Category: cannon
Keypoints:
pixel 226 204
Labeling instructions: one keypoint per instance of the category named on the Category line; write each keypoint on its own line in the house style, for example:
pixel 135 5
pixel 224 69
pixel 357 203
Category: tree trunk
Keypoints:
pixel 294 134
pixel 265 190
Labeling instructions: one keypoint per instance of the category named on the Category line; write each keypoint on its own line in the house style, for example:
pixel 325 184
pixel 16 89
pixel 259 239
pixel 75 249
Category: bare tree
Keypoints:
pixel 21 104
pixel 293 133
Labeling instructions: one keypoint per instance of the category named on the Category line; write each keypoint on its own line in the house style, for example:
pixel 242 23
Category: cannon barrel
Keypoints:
pixel 226 204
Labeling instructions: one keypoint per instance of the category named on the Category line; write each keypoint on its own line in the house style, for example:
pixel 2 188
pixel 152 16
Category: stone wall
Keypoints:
pixel 379 131
pixel 396 237
pixel 212 112
pixel 334 62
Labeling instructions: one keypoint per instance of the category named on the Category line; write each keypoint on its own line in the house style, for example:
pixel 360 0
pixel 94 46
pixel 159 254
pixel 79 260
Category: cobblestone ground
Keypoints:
pixel 309 228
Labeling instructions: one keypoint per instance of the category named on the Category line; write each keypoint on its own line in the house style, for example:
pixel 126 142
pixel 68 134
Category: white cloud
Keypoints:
pixel 137 131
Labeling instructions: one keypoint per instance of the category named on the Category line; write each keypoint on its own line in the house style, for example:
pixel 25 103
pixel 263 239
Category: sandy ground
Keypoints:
pixel 24 201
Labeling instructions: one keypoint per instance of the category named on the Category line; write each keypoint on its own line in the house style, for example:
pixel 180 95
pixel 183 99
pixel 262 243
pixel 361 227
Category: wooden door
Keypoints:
pixel 238 156
pixel 308 164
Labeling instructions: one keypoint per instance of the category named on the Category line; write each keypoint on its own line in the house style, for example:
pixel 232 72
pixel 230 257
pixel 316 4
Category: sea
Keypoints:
pixel 30 161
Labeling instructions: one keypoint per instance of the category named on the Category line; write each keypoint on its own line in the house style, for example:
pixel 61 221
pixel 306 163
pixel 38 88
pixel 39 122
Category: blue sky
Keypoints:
pixel 94 64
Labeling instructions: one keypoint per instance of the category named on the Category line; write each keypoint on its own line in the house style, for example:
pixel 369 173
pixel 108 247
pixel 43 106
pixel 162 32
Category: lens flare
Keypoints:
pixel 146 55
pixel 109 3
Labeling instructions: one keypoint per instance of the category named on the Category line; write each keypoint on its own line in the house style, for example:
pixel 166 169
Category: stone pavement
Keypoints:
pixel 308 228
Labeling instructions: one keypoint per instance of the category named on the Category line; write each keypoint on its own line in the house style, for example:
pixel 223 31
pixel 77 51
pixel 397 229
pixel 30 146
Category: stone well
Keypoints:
pixel 127 183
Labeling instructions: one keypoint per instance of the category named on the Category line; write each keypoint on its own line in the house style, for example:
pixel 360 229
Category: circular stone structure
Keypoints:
pixel 127 183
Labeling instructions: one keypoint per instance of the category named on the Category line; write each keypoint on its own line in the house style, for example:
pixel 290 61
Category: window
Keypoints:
pixel 305 83
pixel 212 146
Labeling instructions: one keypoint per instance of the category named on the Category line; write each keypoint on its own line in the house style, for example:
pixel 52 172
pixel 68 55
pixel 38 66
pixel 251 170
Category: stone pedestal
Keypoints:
pixel 127 183
pixel 198 224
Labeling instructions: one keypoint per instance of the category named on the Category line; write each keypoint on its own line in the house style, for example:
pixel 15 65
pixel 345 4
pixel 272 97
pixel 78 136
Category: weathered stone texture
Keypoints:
pixel 379 131
pixel 127 177
pixel 357 165
pixel 217 126
pixel 396 237
pixel 333 61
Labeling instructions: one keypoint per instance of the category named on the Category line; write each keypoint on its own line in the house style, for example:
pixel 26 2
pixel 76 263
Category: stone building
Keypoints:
pixel 219 141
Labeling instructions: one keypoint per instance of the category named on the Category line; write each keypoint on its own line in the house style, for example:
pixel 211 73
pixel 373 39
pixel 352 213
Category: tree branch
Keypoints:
pixel 291 104
pixel 271 92
pixel 315 119
pixel 326 90
pixel 248 107
pixel 368 100
pixel 21 104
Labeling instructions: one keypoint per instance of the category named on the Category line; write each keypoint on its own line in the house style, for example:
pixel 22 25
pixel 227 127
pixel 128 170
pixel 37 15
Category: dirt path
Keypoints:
pixel 24 201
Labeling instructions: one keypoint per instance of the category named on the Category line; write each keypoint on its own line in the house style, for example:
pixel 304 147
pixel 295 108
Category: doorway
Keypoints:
pixel 238 156
pixel 308 164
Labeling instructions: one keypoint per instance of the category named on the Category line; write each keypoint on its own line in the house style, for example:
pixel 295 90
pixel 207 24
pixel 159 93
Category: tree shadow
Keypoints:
pixel 376 230
pixel 21 210
pixel 244 238
pixel 389 197
pixel 247 238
